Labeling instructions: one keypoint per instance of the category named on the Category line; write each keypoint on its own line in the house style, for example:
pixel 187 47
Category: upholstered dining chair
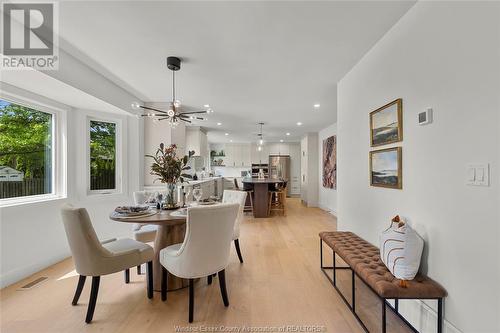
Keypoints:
pixel 205 250
pixel 143 232
pixel 238 197
pixel 93 258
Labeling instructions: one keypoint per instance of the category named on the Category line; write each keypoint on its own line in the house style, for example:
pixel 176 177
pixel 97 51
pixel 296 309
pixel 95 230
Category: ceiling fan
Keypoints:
pixel 173 114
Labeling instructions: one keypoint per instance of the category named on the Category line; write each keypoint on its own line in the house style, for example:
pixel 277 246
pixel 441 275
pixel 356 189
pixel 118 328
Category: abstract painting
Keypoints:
pixel 386 168
pixel 386 123
pixel 330 162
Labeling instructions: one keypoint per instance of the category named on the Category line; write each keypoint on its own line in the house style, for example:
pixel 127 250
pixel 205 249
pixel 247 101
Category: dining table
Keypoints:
pixel 171 230
pixel 261 194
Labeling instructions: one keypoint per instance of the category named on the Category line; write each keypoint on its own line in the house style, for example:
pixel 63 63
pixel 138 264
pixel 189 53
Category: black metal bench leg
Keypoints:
pixel 384 324
pixel 396 305
pixel 353 291
pixel 440 316
pixel 334 270
pixel 320 253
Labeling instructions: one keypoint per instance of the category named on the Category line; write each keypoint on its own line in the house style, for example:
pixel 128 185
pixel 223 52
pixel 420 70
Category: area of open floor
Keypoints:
pixel 279 284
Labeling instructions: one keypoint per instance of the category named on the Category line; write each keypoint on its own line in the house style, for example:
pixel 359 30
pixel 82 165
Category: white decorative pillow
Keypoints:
pixel 400 250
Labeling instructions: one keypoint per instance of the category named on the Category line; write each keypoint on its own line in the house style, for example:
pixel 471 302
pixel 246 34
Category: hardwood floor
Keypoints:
pixel 280 283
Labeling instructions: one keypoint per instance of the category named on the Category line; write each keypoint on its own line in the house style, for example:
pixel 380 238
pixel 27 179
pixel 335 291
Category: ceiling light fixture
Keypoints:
pixel 218 124
pixel 281 140
pixel 173 114
pixel 316 106
pixel 206 105
pixel 299 123
pixel 226 134
pixel 261 137
pixel 287 134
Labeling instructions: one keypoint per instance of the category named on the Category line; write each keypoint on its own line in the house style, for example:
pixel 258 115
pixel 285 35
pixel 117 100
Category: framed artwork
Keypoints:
pixel 386 124
pixel 330 162
pixel 386 168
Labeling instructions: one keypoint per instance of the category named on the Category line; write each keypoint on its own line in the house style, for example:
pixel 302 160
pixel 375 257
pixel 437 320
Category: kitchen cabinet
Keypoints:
pixel 236 155
pixel 196 139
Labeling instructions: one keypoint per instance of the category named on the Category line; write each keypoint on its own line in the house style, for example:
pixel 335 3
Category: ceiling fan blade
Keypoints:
pixel 187 121
pixel 163 118
pixel 193 112
pixel 152 109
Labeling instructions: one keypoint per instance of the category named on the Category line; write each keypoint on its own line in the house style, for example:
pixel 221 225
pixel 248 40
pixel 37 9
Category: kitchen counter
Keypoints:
pixel 260 194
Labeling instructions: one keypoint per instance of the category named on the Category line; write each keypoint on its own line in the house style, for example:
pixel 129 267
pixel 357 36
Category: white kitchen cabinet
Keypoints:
pixel 196 139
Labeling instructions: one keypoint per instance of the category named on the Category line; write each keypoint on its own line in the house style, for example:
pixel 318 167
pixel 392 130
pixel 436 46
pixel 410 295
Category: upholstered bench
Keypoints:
pixel 363 259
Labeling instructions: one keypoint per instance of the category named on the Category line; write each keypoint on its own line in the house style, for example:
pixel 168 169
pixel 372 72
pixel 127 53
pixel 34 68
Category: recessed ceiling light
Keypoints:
pixel 299 123
pixel 206 105
pixel 287 134
pixel 317 106
pixel 218 124
pixel 226 134
pixel 230 140
pixel 281 140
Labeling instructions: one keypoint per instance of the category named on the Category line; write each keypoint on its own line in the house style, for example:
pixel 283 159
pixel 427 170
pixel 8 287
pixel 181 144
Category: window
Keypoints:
pixel 103 175
pixel 26 151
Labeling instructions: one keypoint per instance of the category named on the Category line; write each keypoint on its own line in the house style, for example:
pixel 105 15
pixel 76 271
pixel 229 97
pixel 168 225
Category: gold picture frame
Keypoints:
pixel 386 168
pixel 386 124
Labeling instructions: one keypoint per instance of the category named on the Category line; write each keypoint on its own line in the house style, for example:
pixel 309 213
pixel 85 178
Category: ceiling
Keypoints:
pixel 251 61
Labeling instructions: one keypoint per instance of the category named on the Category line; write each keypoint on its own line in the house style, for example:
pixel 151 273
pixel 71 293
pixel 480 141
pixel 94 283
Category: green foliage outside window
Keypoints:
pixel 102 155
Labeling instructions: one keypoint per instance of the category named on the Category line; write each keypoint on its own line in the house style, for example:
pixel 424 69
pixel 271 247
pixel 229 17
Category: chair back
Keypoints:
pixel 83 242
pixel 238 197
pixel 207 243
pixel 236 185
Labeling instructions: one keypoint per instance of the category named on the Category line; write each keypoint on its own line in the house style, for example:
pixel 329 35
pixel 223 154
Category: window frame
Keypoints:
pixel 118 156
pixel 58 133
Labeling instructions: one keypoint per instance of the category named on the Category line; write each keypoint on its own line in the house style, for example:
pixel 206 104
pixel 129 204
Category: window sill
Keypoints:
pixel 19 201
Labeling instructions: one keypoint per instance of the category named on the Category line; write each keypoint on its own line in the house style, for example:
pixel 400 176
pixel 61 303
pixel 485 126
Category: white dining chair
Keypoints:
pixel 95 258
pixel 145 233
pixel 205 250
pixel 239 197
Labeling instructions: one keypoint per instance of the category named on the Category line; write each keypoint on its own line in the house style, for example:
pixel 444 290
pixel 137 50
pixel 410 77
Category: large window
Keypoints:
pixel 26 151
pixel 102 156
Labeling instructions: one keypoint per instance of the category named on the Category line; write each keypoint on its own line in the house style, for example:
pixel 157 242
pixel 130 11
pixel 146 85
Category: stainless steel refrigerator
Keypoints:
pixel 279 168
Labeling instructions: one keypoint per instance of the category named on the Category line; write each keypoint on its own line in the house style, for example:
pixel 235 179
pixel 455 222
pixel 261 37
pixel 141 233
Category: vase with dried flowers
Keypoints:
pixel 170 169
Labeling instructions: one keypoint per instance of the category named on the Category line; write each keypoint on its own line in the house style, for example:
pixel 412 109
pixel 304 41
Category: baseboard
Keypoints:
pixel 328 209
pixel 423 316
pixel 20 273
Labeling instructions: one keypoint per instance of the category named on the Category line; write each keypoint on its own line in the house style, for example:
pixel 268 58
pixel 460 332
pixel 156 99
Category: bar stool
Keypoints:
pixel 249 201
pixel 277 198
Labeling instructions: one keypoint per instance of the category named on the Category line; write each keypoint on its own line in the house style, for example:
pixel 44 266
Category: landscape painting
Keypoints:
pixel 330 162
pixel 385 168
pixel 386 124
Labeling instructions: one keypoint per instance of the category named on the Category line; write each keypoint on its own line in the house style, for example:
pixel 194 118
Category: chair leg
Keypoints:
pixel 191 300
pixel 238 251
pixel 79 288
pixel 251 201
pixel 93 298
pixel 164 281
pixel 149 277
pixel 139 270
pixel 209 279
pixel 222 284
pixel 127 275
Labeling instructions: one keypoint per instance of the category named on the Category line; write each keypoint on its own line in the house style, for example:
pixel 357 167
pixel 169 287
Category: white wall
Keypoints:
pixel 309 169
pixel 444 55
pixel 327 199
pixel 32 235
pixel 156 132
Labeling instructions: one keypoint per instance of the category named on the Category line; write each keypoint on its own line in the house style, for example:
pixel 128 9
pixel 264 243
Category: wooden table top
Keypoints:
pixel 162 217
pixel 262 181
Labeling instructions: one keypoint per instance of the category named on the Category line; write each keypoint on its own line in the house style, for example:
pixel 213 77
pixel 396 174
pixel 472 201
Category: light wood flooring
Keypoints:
pixel 280 283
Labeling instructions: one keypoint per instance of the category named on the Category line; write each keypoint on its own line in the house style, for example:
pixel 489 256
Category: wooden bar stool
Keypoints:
pixel 277 198
pixel 249 201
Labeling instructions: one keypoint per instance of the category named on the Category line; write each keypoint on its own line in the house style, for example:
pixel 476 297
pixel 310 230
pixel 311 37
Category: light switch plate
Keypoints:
pixel 478 174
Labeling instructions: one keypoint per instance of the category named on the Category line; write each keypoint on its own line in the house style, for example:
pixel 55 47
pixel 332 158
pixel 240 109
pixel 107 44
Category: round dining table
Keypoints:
pixel 171 230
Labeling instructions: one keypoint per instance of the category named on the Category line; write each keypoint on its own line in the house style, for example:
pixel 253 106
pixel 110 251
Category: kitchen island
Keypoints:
pixel 260 193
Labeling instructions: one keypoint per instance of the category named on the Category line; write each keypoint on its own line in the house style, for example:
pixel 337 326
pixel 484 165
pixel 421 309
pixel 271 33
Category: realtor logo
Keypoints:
pixel 29 36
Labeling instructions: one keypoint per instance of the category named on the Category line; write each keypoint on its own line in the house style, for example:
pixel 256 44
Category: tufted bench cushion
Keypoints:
pixel 364 259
